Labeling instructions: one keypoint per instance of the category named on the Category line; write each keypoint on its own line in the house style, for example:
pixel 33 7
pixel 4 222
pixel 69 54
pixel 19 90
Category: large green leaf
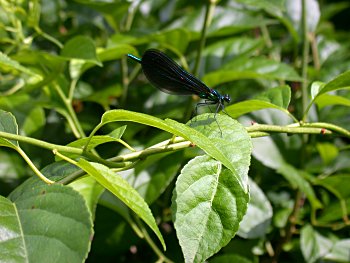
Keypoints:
pixel 275 98
pixel 208 204
pixel 121 188
pixel 53 217
pixel 233 141
pixel 207 191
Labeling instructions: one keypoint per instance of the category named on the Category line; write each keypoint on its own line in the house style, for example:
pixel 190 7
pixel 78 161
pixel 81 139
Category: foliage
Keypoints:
pixel 126 175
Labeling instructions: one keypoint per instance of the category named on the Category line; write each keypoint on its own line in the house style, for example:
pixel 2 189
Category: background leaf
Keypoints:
pixel 45 216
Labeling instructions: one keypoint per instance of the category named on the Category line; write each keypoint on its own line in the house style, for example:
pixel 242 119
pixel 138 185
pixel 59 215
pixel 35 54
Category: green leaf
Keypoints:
pixel 208 204
pixel 325 100
pixel 328 152
pixel 342 81
pixel 337 184
pixel 121 188
pixel 316 86
pixel 118 133
pixel 96 140
pixel 34 120
pixel 53 217
pixel 8 124
pixel 82 48
pixel 234 142
pixel 203 142
pixel 275 98
pixel 337 210
pixel 251 68
pixel 78 67
pixel 257 220
pixel 313 245
pixel 339 252
pixel 7 63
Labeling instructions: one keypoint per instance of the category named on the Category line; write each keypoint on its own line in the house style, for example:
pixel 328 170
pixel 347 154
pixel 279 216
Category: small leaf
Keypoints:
pixel 342 81
pixel 8 63
pixel 82 48
pixel 208 204
pixel 118 133
pixel 313 245
pixel 53 217
pixel 316 86
pixel 78 67
pixel 275 98
pixel 8 124
pixel 96 140
pixel 280 96
pixel 121 188
pixel 325 100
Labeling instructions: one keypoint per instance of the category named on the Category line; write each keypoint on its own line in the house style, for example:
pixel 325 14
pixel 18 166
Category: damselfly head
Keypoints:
pixel 226 98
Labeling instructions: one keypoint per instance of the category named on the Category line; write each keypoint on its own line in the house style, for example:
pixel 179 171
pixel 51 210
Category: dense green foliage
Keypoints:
pixel 97 165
